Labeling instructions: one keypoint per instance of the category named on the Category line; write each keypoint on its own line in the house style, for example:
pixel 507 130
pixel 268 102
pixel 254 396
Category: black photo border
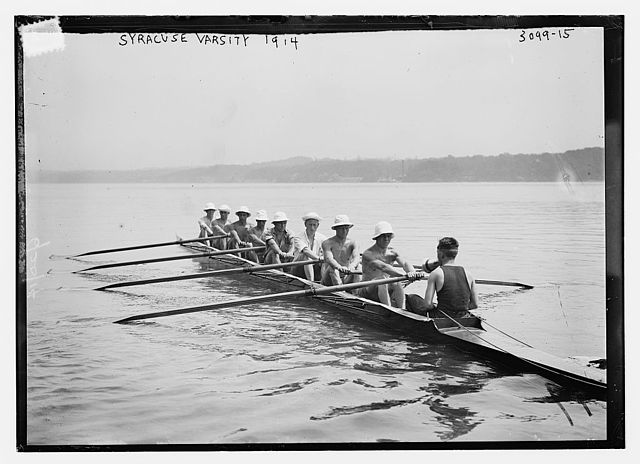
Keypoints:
pixel 613 59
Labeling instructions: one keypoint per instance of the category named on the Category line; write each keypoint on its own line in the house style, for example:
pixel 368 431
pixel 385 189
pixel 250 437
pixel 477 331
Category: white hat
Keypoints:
pixel 244 209
pixel 224 208
pixel 382 227
pixel 341 220
pixel 279 217
pixel 261 215
pixel 311 215
pixel 209 206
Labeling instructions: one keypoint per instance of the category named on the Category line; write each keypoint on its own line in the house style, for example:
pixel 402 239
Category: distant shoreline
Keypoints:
pixel 583 165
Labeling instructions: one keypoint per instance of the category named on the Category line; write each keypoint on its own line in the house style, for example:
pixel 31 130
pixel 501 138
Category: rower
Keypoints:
pixel 205 222
pixel 308 245
pixel 377 263
pixel 257 236
pixel 340 255
pixel 453 285
pixel 239 230
pixel 219 225
pixel 279 241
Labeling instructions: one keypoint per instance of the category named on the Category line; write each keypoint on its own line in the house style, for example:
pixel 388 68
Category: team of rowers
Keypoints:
pixel 341 262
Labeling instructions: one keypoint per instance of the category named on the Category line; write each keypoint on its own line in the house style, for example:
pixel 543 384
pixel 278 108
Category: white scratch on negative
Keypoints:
pixel 42 37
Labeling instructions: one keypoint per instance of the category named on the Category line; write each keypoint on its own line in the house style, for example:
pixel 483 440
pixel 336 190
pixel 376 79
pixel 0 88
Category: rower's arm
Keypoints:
pixel 328 256
pixel 271 243
pixel 431 290
pixel 236 237
pixel 204 226
pixel 256 240
pixel 354 261
pixel 382 266
pixel 220 229
pixel 408 267
pixel 309 254
pixel 300 245
pixel 473 297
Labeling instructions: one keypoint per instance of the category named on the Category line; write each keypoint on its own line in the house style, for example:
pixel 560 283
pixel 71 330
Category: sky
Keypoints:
pixel 105 101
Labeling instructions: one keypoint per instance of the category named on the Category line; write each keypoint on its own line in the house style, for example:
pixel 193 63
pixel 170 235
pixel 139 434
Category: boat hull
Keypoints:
pixel 467 334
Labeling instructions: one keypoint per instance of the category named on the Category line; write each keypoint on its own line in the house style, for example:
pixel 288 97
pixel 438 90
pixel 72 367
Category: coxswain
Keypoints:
pixel 454 287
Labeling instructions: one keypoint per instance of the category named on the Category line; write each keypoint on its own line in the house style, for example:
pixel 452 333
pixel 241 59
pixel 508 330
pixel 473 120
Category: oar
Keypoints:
pixel 171 258
pixel 149 245
pixel 503 283
pixel 259 299
pixel 489 282
pixel 201 275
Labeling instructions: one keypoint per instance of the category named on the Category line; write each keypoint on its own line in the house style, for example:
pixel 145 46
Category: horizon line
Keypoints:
pixel 311 158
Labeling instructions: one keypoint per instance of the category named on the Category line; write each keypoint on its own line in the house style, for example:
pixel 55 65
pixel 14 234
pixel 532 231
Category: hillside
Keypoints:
pixel 583 165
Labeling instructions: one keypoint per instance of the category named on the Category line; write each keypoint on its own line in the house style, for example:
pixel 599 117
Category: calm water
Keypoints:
pixel 298 372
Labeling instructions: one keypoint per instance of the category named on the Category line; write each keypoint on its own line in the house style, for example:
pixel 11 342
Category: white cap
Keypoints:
pixel 341 220
pixel 382 227
pixel 279 217
pixel 209 206
pixel 261 215
pixel 244 209
pixel 224 208
pixel 311 215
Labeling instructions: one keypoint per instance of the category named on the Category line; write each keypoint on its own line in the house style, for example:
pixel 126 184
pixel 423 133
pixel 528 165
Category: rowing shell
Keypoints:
pixel 466 333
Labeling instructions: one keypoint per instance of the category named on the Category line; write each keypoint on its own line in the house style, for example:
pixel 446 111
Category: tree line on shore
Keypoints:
pixel 582 165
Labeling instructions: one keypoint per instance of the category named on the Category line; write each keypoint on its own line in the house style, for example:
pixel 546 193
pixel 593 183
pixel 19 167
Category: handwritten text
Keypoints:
pixel 544 35
pixel 220 40
pixel 32 266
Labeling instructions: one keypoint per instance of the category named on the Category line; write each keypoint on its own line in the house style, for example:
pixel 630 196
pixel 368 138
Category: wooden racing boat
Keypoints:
pixel 466 333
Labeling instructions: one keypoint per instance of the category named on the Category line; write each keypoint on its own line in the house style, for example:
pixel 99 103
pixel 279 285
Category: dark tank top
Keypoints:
pixel 455 294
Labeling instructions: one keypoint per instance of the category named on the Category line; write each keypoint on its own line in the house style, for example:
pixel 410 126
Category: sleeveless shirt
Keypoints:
pixel 455 294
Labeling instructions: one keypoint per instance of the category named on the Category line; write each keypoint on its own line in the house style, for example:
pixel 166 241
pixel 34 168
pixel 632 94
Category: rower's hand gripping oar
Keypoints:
pixel 201 275
pixel 263 298
pixel 171 258
pixel 148 245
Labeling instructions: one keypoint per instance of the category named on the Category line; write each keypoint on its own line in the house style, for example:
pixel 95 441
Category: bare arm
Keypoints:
pixel 235 235
pixel 271 243
pixel 256 240
pixel 204 226
pixel 378 264
pixel 217 228
pixel 473 297
pixel 408 267
pixel 330 259
pixel 432 283
pixel 354 260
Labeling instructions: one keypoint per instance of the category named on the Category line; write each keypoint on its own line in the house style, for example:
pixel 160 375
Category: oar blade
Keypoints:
pixel 504 284
pixel 148 245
